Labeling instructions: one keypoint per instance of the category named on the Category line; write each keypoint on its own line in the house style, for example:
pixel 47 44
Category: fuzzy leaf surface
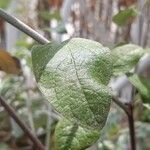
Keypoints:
pixel 74 137
pixel 143 86
pixel 73 76
pixel 126 57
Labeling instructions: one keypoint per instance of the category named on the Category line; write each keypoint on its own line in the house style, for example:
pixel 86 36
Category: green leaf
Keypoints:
pixel 4 3
pixel 123 17
pixel 125 58
pixel 46 15
pixel 147 106
pixel 3 146
pixel 59 29
pixel 147 50
pixel 41 56
pixel 23 43
pixel 73 77
pixel 73 137
pixel 143 86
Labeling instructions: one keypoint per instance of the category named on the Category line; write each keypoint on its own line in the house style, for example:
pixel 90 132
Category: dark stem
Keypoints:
pixel 128 109
pixel 23 27
pixel 120 104
pixel 131 127
pixel 27 131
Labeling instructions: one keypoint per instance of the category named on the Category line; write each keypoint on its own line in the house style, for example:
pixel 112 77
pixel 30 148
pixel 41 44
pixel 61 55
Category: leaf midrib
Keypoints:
pixel 78 79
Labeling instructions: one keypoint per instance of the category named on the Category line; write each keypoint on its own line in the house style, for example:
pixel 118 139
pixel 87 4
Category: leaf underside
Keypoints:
pixel 143 86
pixel 125 58
pixel 71 136
pixel 73 76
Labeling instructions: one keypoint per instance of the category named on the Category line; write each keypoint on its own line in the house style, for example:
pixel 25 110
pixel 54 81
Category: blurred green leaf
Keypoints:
pixel 40 120
pixel 46 15
pixel 73 137
pixel 4 3
pixel 123 17
pixel 3 146
pixel 145 114
pixel 147 50
pixel 23 43
pixel 61 29
pixel 147 106
pixel 73 77
pixel 143 86
pixel 125 58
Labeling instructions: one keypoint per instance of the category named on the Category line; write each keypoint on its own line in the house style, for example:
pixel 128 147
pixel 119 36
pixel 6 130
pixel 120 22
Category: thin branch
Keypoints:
pixel 27 131
pixel 29 103
pixel 48 133
pixel 128 109
pixel 23 27
pixel 48 128
pixel 131 127
pixel 29 109
pixel 120 104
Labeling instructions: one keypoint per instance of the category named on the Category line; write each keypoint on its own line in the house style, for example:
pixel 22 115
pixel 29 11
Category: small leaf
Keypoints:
pixel 71 136
pixel 74 76
pixel 147 106
pixel 24 43
pixel 125 58
pixel 143 86
pixel 46 15
pixel 124 16
pixel 60 28
pixel 9 64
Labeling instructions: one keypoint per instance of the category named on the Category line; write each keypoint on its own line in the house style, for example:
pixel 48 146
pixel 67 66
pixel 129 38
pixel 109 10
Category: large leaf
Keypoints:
pixel 73 77
pixel 126 57
pixel 73 137
pixel 143 86
pixel 124 16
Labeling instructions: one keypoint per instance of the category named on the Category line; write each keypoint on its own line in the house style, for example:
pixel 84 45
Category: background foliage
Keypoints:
pixel 112 23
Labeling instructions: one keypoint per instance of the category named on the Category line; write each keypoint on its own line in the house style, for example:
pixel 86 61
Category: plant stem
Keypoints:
pixel 131 127
pixel 128 109
pixel 120 104
pixel 48 128
pixel 29 109
pixel 27 131
pixel 23 27
pixel 48 133
pixel 29 102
